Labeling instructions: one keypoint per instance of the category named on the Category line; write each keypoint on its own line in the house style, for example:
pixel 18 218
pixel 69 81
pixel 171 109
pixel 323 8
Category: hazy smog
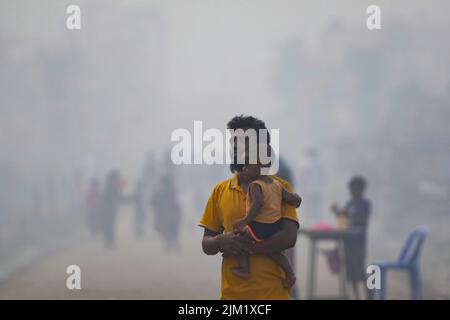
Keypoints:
pixel 91 111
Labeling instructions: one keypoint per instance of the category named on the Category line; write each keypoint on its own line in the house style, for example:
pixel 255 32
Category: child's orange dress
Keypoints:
pixel 268 220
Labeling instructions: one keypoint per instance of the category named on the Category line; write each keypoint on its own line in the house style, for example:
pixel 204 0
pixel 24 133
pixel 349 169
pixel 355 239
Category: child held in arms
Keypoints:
pixel 263 218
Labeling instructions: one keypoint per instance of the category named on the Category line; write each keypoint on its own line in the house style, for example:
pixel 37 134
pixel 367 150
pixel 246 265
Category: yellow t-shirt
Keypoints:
pixel 225 205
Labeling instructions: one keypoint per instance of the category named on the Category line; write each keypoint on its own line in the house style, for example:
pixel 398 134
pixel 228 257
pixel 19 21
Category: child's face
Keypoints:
pixel 251 171
pixel 357 191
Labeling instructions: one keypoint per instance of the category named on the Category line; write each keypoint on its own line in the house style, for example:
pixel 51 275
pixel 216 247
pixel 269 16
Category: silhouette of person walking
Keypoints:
pixel 167 211
pixel 93 203
pixel 140 216
pixel 111 200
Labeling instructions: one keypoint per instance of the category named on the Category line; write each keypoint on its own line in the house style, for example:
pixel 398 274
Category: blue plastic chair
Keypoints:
pixel 408 261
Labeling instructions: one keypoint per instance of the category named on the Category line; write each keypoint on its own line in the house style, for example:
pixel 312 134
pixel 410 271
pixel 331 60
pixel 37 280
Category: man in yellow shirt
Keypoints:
pixel 225 205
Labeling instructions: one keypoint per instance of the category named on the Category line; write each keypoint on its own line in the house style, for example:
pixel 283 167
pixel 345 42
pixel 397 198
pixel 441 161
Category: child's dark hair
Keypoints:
pixel 357 182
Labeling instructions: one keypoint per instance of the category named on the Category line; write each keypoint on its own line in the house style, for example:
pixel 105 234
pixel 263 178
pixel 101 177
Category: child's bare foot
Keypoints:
pixel 289 281
pixel 240 272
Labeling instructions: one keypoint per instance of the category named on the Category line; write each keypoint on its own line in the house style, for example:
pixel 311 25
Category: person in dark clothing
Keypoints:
pixel 93 202
pixel 111 200
pixel 356 212
pixel 167 211
pixel 140 217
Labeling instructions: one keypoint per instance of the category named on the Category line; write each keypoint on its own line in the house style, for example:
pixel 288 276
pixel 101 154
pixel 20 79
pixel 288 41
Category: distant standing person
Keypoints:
pixel 93 204
pixel 167 211
pixel 112 198
pixel 356 212
pixel 140 216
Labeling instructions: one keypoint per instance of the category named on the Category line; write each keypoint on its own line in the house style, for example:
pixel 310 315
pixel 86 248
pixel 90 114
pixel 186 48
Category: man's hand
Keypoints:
pixel 232 243
pixel 239 225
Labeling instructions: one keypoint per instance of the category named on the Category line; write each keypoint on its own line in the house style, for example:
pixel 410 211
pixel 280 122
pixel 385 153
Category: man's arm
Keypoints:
pixel 210 244
pixel 282 240
pixel 229 243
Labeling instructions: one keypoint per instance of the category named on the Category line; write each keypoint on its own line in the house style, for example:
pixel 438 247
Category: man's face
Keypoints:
pixel 244 141
pixel 238 150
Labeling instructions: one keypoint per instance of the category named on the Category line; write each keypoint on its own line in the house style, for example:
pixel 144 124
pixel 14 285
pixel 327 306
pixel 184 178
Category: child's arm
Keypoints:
pixel 256 203
pixel 291 198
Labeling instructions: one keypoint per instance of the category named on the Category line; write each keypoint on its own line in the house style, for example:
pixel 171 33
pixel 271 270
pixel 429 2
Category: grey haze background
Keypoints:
pixel 76 103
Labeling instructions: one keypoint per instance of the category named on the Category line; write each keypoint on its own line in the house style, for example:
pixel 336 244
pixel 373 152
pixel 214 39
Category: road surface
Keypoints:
pixel 140 269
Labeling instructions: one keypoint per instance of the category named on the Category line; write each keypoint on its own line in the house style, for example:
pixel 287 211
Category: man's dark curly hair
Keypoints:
pixel 246 122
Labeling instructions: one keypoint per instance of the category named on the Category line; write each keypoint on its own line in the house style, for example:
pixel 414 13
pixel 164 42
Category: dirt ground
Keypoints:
pixel 142 269
pixel 135 269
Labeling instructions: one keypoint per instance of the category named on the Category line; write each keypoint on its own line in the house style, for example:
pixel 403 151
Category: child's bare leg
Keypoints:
pixel 282 260
pixel 243 268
